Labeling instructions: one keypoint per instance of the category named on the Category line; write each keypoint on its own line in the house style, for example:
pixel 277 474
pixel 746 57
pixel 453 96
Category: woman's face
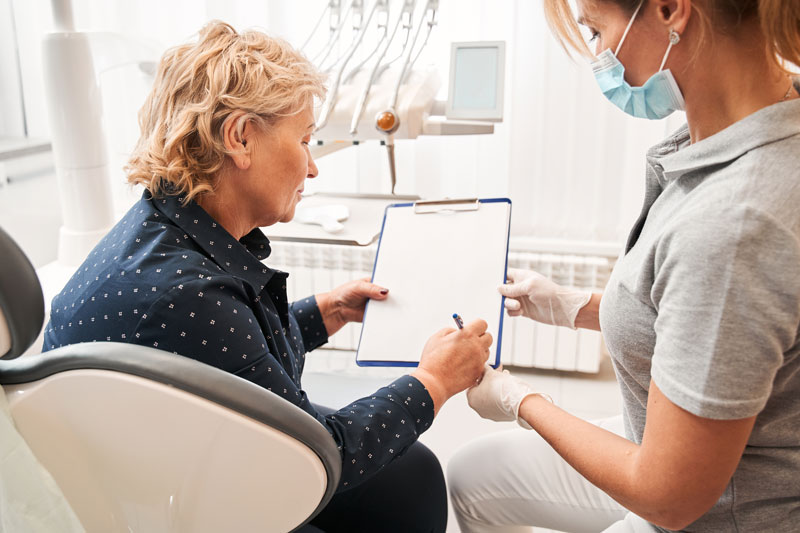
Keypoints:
pixel 280 162
pixel 644 46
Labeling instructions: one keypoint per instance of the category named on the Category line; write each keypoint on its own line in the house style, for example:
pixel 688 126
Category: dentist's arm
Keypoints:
pixel 677 473
pixel 589 315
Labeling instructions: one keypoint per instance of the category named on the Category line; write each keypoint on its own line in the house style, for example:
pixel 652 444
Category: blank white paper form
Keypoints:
pixel 434 265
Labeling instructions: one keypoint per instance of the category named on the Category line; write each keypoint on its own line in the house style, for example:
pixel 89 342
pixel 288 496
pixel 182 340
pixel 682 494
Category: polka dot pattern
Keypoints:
pixel 168 276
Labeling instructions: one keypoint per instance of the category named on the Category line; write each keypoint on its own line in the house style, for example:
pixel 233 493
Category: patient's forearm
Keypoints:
pixel 433 386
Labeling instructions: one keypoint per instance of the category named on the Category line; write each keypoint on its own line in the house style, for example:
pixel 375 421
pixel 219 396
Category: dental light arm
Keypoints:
pixel 405 15
pixel 336 22
pixel 330 101
pixel 431 24
pixel 403 105
pixel 317 25
pixel 429 5
pixel 383 26
pixel 408 12
pixel 388 121
pixel 358 16
pixel 355 13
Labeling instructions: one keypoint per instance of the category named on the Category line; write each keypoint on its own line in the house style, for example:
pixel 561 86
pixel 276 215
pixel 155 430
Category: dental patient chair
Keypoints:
pixel 141 440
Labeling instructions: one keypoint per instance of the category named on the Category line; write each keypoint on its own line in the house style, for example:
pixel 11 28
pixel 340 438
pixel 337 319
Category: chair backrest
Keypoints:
pixel 21 301
pixel 143 440
pixel 139 438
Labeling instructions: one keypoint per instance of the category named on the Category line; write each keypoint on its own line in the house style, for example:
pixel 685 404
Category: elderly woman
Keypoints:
pixel 701 315
pixel 224 151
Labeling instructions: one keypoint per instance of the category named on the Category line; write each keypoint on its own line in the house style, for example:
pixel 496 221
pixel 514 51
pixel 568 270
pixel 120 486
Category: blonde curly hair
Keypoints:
pixel 200 86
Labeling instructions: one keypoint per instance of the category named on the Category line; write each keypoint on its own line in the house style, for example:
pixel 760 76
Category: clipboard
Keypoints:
pixel 436 258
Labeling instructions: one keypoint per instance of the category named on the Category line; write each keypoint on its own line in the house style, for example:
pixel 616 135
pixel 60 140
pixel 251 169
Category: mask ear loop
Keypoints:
pixel 674 38
pixel 628 27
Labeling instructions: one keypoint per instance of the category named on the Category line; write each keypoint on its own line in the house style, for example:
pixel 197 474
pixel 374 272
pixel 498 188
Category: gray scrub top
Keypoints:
pixel 705 301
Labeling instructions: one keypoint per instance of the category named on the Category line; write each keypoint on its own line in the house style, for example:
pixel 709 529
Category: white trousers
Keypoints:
pixel 512 480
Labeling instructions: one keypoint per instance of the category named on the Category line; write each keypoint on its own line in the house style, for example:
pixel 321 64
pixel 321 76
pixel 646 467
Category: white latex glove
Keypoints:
pixel 498 396
pixel 530 294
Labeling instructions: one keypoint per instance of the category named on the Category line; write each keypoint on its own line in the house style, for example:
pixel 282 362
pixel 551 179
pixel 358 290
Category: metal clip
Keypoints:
pixel 436 206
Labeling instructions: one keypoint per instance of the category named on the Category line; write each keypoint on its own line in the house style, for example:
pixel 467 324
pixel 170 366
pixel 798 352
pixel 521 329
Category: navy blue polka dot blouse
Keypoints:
pixel 170 277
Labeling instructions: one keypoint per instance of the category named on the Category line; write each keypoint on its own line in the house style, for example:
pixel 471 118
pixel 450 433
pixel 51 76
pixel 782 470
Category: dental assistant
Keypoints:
pixel 701 314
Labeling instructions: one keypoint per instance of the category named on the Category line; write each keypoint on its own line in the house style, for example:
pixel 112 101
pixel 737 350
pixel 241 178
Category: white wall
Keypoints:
pixel 572 164
pixel 12 123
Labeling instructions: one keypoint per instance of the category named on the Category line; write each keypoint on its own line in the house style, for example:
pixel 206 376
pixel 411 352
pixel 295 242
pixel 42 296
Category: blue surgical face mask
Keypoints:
pixel 656 99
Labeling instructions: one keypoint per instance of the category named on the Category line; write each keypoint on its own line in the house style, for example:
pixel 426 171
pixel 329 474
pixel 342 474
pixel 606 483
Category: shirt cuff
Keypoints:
pixel 410 393
pixel 309 318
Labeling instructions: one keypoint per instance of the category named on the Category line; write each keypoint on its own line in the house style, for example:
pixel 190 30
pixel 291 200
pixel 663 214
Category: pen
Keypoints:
pixel 459 322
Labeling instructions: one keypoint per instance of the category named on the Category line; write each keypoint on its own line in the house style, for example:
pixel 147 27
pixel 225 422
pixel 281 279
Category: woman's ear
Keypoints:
pixel 235 143
pixel 673 14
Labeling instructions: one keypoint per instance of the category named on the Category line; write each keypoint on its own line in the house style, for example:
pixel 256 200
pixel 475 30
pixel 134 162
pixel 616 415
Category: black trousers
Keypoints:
pixel 408 496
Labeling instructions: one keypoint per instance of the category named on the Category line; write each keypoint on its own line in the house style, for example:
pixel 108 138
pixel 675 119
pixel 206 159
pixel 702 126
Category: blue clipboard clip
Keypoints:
pixel 438 206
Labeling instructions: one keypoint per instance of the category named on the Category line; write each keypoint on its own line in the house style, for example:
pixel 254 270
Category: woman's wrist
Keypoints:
pixel 588 316
pixel 530 405
pixel 330 312
pixel 433 385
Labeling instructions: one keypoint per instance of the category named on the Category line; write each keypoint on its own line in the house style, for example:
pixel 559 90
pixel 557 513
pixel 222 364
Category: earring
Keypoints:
pixel 674 37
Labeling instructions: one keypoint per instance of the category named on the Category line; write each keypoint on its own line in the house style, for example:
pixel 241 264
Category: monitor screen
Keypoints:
pixel 476 81
pixel 475 78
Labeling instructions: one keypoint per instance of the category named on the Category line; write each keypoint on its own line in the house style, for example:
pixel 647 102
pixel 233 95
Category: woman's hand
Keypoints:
pixel 499 395
pixel 453 360
pixel 530 294
pixel 346 303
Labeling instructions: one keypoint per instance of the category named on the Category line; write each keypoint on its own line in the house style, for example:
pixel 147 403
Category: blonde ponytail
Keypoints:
pixel 559 16
pixel 780 23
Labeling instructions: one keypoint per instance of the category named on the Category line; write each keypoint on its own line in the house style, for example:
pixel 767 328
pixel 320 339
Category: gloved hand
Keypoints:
pixel 530 294
pixel 498 396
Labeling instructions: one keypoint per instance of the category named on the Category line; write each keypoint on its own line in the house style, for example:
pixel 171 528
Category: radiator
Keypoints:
pixel 315 268
pixel 531 344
